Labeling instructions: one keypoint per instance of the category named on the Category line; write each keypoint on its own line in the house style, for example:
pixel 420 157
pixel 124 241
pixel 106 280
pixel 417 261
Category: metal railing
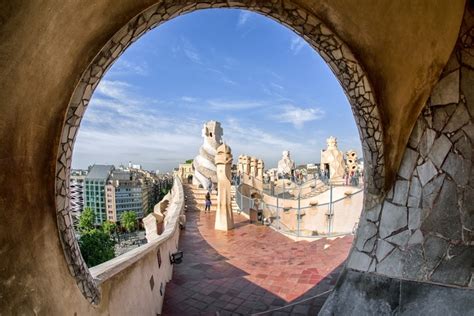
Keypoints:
pixel 298 215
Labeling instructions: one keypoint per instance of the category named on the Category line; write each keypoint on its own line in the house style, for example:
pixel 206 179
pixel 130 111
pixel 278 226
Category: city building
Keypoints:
pixel 94 191
pixel 134 190
pixel 134 166
pixel 76 192
pixel 159 184
pixel 152 185
pixel 124 193
pixel 185 171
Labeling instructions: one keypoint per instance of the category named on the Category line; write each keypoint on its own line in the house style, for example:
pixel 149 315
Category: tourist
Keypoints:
pixel 208 203
pixel 267 221
pixel 209 185
pixel 352 178
pixel 357 177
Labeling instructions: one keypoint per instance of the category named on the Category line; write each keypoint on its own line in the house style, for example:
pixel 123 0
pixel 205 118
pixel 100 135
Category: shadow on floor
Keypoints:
pixel 206 283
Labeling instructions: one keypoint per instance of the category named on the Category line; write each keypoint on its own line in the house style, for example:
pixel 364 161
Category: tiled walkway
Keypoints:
pixel 249 270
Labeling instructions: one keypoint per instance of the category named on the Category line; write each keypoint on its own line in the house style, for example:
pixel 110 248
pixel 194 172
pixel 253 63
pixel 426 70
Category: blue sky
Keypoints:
pixel 270 90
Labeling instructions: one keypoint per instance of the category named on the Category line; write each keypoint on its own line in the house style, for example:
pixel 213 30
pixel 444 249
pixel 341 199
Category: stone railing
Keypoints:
pixel 134 283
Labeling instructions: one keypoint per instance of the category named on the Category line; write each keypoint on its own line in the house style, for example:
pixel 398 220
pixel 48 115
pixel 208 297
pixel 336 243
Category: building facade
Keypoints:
pixel 110 192
pixel 94 191
pixel 124 193
pixel 185 171
pixel 133 190
pixel 76 191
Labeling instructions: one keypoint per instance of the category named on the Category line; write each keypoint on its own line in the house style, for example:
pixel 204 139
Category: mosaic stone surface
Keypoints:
pixel 423 230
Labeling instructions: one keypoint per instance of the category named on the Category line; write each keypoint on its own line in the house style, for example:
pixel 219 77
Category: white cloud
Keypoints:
pixel 277 86
pixel 297 43
pixel 157 148
pixel 298 116
pixel 113 89
pixel 124 67
pixel 183 45
pixel 229 81
pixel 249 140
pixel 223 105
pixel 274 74
pixel 193 56
pixel 119 126
pixel 190 51
pixel 243 17
pixel 221 75
pixel 189 99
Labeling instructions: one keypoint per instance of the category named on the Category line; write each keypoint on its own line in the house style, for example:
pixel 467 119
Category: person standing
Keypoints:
pixel 357 177
pixel 209 186
pixel 208 203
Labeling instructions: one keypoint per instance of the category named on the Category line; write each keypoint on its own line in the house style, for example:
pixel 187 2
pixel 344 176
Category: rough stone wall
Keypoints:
pixel 424 229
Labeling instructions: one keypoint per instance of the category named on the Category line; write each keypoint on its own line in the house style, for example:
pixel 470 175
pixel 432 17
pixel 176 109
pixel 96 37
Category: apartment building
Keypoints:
pixel 94 191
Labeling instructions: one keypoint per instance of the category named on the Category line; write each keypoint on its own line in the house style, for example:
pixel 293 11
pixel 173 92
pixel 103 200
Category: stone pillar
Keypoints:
pixel 224 215
pixel 258 184
pixel 260 167
pixel 333 157
pixel 240 165
pixel 272 176
pixel 253 166
pixel 246 164
pixel 351 160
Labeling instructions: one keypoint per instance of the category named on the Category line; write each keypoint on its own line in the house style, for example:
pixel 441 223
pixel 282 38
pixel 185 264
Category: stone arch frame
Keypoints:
pixel 331 48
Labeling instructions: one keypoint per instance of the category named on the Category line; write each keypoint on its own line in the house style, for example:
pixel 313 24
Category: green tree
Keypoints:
pixel 165 190
pixel 189 161
pixel 86 220
pixel 96 247
pixel 129 220
pixel 109 227
pixel 150 210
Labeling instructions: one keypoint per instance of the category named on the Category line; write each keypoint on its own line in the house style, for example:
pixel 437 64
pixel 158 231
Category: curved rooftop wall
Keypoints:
pixel 134 283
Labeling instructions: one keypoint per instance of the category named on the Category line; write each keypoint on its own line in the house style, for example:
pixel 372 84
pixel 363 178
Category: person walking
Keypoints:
pixel 207 207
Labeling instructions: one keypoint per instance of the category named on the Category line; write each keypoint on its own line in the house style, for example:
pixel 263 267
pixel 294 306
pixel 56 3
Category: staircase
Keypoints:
pixel 195 199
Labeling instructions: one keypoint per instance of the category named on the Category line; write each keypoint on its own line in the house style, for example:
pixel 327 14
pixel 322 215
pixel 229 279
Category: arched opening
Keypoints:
pixel 338 56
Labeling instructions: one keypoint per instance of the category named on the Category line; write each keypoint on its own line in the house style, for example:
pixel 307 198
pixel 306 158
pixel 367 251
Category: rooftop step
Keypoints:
pixel 195 199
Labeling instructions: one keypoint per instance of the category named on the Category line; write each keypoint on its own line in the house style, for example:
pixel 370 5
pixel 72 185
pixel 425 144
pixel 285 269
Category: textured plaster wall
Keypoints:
pixel 46 46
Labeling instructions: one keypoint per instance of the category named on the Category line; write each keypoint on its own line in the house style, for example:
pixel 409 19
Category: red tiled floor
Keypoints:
pixel 249 269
